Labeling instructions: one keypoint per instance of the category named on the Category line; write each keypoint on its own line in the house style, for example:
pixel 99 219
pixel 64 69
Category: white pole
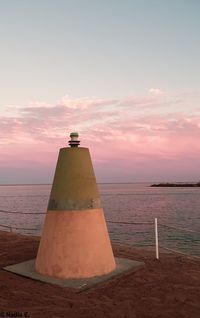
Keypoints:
pixel 156 238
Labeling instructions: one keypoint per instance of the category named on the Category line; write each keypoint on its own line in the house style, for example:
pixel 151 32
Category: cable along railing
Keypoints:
pixel 157 225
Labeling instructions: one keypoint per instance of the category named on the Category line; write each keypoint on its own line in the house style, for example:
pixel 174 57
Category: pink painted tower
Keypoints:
pixel 75 241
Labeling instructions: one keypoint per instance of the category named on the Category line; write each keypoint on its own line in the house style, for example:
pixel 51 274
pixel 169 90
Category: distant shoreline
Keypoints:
pixel 176 184
pixel 148 183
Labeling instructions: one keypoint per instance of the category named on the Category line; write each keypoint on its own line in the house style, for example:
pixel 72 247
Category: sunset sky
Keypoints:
pixel 125 74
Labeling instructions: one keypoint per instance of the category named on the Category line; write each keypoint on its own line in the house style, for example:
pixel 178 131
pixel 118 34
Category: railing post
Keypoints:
pixel 156 238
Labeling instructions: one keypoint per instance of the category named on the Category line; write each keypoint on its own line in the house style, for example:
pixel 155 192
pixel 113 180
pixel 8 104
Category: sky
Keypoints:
pixel 125 74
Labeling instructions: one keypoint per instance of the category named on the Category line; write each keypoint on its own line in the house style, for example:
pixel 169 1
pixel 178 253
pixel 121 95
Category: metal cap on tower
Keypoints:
pixel 74 142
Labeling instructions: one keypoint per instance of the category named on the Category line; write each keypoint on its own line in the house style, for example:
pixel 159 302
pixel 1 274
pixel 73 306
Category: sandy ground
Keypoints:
pixel 169 287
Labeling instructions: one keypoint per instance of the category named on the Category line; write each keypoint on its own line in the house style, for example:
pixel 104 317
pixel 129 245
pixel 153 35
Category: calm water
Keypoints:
pixel 137 202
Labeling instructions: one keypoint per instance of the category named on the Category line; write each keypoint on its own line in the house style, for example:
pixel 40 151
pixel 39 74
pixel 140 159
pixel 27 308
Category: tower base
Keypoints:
pixel 123 266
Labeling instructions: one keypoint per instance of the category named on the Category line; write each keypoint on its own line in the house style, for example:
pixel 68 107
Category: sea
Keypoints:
pixel 130 211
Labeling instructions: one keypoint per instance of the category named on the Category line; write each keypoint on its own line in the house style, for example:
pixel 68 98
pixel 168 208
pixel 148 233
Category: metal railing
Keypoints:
pixel 178 229
pixel 155 223
pixel 11 228
pixel 7 227
pixel 17 212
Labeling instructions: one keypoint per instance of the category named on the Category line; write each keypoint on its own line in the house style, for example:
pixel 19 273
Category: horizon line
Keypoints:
pixel 123 182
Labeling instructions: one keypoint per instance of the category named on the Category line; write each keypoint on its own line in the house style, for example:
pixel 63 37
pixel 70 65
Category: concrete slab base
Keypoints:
pixel 27 269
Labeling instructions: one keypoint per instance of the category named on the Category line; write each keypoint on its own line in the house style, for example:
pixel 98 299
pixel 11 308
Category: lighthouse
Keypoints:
pixel 74 249
pixel 75 241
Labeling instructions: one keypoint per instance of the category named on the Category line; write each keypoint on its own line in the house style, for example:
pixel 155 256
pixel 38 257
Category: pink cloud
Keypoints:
pixel 122 135
pixel 156 91
pixel 84 103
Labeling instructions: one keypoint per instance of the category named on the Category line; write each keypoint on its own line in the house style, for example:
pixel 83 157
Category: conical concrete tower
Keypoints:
pixel 75 241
